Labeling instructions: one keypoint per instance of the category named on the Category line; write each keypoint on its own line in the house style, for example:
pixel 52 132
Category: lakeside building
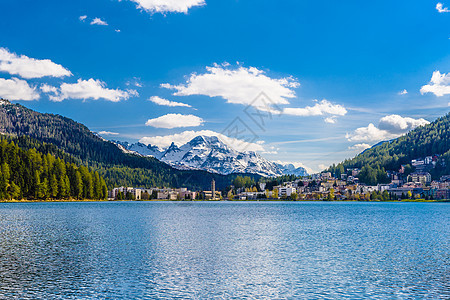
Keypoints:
pixel 286 191
pixel 154 193
pixel 114 193
pixel 420 177
pixel 131 193
pixel 208 195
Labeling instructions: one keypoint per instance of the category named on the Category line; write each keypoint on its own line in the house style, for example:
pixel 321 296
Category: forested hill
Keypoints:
pixel 70 136
pixel 427 140
pixel 118 168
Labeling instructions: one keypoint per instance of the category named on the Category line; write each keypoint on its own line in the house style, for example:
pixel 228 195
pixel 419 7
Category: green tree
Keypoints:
pixel 331 195
pixel 275 194
pixel 409 195
pixel 4 180
pixel 14 191
pixel 53 186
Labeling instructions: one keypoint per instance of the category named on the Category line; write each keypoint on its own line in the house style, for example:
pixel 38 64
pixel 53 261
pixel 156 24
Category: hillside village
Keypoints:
pixel 403 184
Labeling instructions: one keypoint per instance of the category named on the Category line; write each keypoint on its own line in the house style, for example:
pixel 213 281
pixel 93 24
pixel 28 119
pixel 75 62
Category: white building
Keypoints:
pixel 137 193
pixel 423 178
pixel 286 191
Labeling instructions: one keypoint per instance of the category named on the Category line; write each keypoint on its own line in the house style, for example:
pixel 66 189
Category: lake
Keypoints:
pixel 199 250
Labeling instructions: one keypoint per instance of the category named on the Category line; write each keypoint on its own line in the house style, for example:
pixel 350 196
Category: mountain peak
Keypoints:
pixel 204 139
pixel 173 146
pixel 4 102
pixel 210 153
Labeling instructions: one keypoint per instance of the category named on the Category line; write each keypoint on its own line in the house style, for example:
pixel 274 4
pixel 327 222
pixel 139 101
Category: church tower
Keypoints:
pixel 213 189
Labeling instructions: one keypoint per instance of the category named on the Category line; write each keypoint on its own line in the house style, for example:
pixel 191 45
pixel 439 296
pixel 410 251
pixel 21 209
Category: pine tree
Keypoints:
pixel 78 185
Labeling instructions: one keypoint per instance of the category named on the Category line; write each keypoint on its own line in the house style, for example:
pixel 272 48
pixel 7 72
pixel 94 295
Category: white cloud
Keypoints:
pixel 359 147
pixel 17 89
pixel 237 85
pixel 441 9
pixel 98 21
pixel 108 133
pixel 321 108
pixel 27 67
pixel 135 82
pixel 439 84
pixel 250 86
pixel 117 30
pixel 270 152
pixel 404 92
pixel 88 89
pixel 399 125
pixel 83 18
pixel 331 120
pixel 369 133
pixel 184 137
pixel 170 121
pixel 48 88
pixel 322 167
pixel 165 102
pixel 163 6
pixel 389 127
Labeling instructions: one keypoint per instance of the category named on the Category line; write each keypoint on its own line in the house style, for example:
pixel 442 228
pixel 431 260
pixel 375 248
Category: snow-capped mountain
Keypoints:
pixel 211 154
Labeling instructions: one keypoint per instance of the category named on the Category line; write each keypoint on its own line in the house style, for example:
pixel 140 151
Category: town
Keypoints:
pixel 321 186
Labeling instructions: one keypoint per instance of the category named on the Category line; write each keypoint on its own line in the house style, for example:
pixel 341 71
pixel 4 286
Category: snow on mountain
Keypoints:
pixel 290 169
pixel 211 154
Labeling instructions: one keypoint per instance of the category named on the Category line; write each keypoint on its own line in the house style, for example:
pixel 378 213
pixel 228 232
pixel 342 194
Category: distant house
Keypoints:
pixel 355 172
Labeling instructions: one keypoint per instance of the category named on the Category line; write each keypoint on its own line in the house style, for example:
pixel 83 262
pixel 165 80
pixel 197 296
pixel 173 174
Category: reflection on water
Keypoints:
pixel 224 250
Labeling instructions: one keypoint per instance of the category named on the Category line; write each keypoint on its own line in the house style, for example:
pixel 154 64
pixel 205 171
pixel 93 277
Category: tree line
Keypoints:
pixel 32 175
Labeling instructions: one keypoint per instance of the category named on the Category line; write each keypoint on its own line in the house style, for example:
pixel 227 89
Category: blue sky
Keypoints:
pixel 339 76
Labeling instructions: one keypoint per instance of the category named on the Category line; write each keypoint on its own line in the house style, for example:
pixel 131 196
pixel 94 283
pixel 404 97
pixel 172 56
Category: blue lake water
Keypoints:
pixel 282 250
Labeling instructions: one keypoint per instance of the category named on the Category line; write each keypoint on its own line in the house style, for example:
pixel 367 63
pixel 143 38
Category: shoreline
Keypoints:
pixel 188 201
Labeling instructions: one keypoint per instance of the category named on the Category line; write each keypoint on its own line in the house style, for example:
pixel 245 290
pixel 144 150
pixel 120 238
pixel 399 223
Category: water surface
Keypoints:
pixel 276 250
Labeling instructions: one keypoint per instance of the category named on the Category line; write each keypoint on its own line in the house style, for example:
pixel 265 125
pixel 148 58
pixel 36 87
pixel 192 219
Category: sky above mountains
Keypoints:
pixel 304 82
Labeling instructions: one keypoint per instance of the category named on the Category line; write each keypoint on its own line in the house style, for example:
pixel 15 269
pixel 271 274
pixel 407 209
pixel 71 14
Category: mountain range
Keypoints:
pixel 51 133
pixel 211 154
